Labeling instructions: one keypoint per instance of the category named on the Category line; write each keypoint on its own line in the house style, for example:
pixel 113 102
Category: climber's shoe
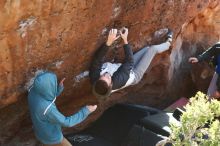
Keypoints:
pixel 169 35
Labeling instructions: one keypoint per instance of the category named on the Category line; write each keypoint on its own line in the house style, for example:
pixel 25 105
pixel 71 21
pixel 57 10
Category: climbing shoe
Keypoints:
pixel 169 35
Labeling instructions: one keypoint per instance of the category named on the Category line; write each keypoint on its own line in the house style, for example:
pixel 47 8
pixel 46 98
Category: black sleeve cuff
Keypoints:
pixel 126 45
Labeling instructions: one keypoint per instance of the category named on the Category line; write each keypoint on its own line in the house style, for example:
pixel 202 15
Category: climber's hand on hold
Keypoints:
pixel 124 35
pixel 112 36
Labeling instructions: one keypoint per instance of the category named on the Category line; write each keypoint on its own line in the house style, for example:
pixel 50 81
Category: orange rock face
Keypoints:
pixel 195 37
pixel 62 36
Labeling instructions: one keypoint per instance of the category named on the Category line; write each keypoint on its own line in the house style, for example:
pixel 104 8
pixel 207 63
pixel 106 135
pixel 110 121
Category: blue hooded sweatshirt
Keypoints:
pixel 46 118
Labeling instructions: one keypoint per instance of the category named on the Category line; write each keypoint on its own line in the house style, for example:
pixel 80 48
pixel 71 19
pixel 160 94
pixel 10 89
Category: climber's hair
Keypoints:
pixel 101 87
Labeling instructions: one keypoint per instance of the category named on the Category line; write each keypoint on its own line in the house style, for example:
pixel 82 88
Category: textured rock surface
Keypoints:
pixel 195 37
pixel 62 36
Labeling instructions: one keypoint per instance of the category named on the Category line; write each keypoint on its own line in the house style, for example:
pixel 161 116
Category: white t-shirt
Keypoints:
pixel 113 67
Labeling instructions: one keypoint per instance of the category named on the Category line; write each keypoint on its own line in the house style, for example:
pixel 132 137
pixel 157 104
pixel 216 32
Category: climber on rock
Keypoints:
pixel 107 77
pixel 46 118
pixel 212 53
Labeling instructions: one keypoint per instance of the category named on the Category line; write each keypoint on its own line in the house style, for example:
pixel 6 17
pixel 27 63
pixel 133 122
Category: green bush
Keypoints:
pixel 200 124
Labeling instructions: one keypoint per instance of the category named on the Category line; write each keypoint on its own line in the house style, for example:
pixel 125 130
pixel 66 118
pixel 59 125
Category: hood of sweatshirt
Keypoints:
pixel 45 85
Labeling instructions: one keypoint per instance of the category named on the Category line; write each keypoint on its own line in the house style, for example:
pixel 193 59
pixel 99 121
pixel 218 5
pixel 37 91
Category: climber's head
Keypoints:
pixel 103 85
